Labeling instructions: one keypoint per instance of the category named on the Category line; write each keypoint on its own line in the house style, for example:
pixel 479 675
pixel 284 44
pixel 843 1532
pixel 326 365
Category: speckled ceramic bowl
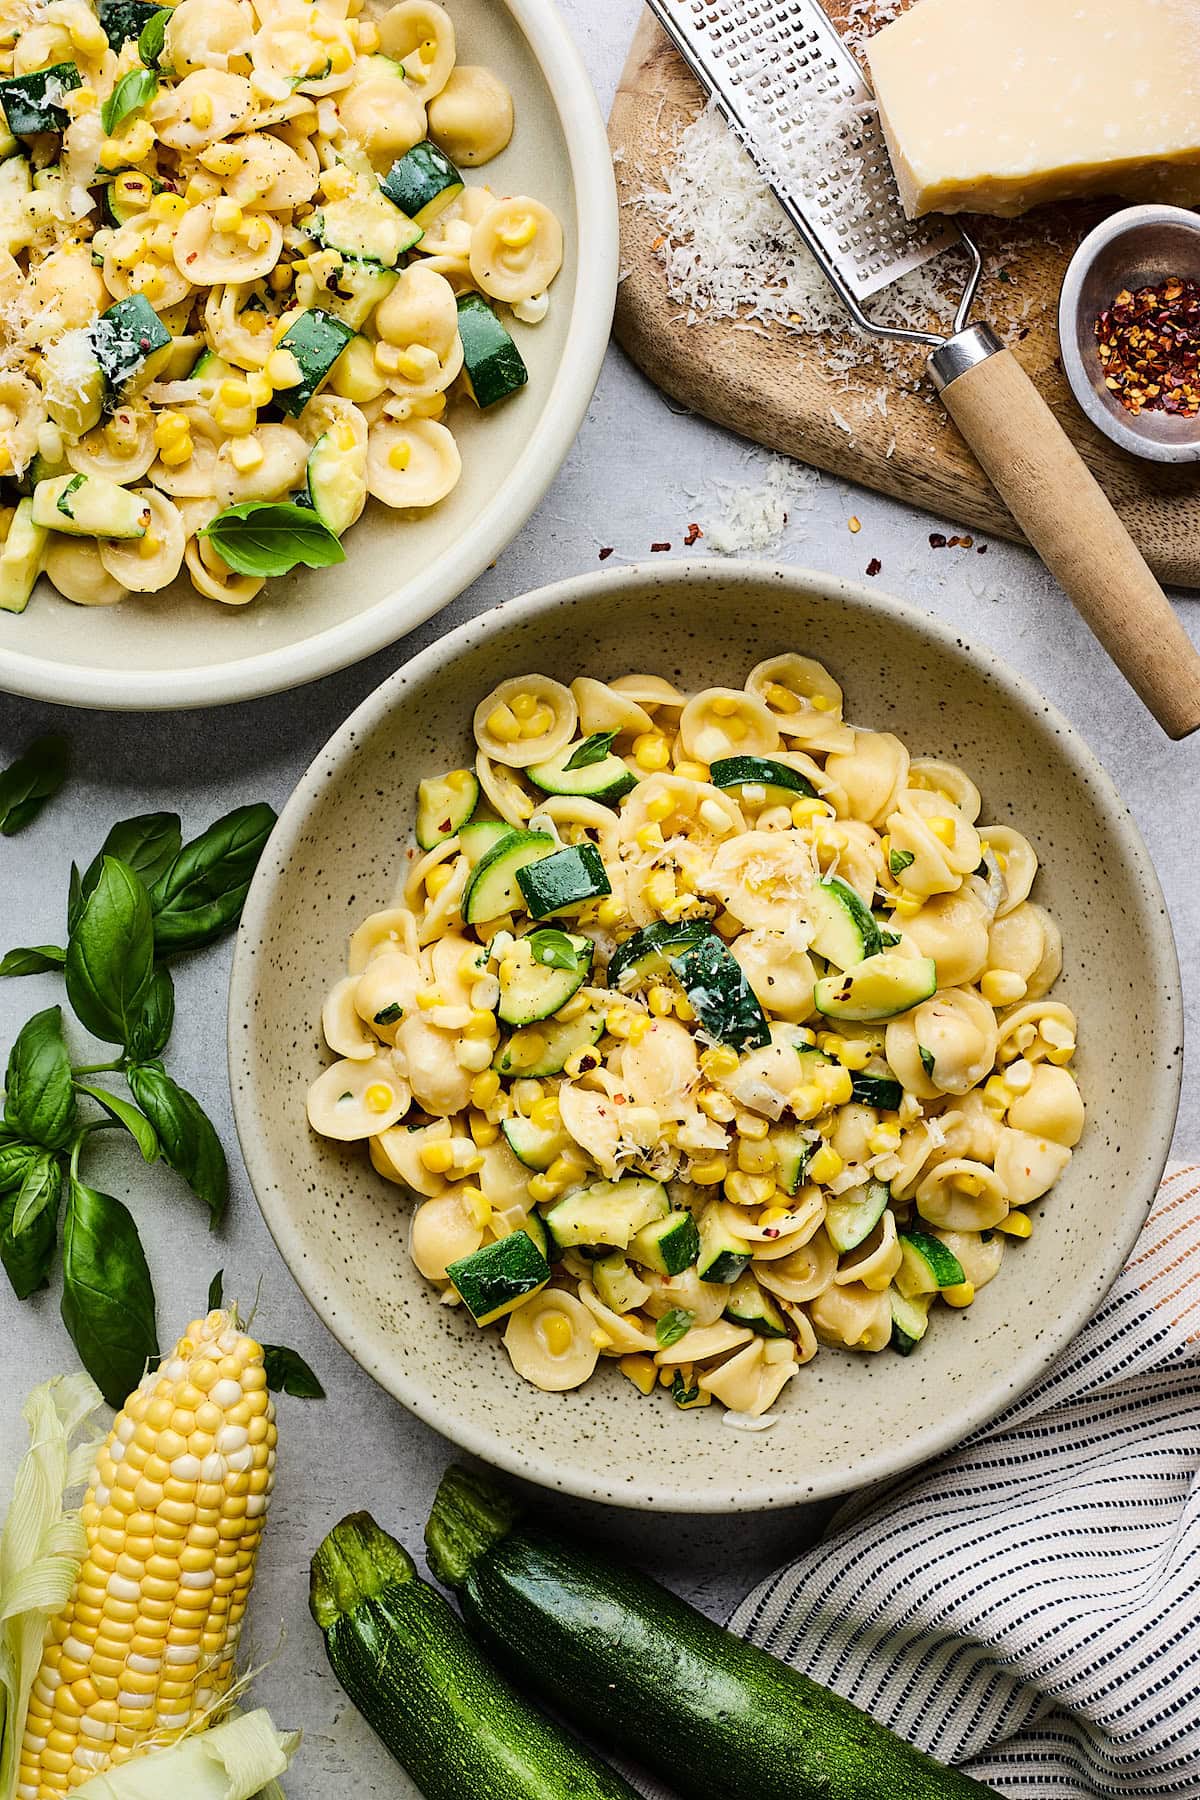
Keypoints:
pixel 178 649
pixel 844 1420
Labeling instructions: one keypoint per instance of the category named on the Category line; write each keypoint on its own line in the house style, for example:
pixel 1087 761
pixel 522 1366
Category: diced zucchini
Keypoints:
pixel 534 1226
pixel 89 506
pixel 316 339
pixel 563 881
pixel 355 290
pixel 42 469
pixel 492 890
pixel 620 1287
pixel 877 1090
pixel 336 477
pixel 850 1218
pixel 607 1212
pixel 208 366
pixel 668 1246
pixel 33 104
pixel 750 1305
pixel 364 228
pixel 532 989
pixel 531 1144
pixel 926 1265
pixel 782 784
pixel 124 338
pixel 444 804
pixel 21 558
pixel 493 367
pixel 606 779
pixel 723 1000
pixel 845 930
pixel 879 988
pixel 723 1256
pixel 422 183
pixel 540 1050
pixel 493 1281
pixel 73 384
pixel 910 1320
pixel 793 1153
pixel 645 956
pixel 121 20
pixel 480 836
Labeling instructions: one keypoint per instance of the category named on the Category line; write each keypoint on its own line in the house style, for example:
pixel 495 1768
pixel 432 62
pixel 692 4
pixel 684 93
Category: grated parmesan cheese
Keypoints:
pixel 740 517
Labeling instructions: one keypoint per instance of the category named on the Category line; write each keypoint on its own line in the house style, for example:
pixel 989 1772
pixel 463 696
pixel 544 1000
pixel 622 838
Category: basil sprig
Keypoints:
pixel 672 1326
pixel 189 1143
pixel 33 959
pixel 108 1296
pixel 110 953
pixel 271 537
pixel 553 949
pixel 593 749
pixel 134 90
pixel 202 893
pixel 288 1373
pixel 39 1094
pixel 27 784
pixel 899 860
pixel 152 36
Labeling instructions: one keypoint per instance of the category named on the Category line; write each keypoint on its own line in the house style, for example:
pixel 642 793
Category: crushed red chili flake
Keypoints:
pixel 693 532
pixel 606 552
pixel 874 566
pixel 937 541
pixel 654 547
pixel 1149 347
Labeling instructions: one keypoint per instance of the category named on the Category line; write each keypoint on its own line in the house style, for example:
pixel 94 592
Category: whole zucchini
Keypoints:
pixel 444 1713
pixel 637 1667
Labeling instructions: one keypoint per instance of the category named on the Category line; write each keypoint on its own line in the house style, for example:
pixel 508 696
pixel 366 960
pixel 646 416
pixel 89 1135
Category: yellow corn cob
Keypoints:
pixel 173 1515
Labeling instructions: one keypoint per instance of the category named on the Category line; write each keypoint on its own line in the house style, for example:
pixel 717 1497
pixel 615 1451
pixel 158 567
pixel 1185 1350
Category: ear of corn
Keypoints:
pixel 173 1517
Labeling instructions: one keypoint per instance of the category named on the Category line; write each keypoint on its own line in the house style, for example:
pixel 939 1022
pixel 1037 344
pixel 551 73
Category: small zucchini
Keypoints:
pixel 845 931
pixel 645 956
pixel 668 1246
pixel 33 104
pixel 423 183
pixel 606 779
pixel 121 20
pixel 531 989
pixel 608 1213
pixel 752 1306
pixel 926 1266
pixel 316 339
pixel 442 1710
pixel 879 987
pixel 539 1050
pixel 782 783
pixel 89 506
pixel 123 339
pixel 492 890
pixel 722 1256
pixel 723 999
pixel 561 882
pixel 493 1281
pixel 882 1091
pixel 444 805
pixel 493 367
pixel 850 1218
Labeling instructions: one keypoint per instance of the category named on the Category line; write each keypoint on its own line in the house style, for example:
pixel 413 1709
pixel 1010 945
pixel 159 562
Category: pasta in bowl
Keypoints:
pixel 338 869
pixel 708 1028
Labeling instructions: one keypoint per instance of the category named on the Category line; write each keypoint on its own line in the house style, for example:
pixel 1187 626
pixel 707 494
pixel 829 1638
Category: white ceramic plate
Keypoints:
pixel 845 1420
pixel 178 649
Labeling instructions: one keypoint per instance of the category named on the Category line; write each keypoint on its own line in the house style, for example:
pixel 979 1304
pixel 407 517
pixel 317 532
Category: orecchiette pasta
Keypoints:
pixel 472 117
pixel 706 1028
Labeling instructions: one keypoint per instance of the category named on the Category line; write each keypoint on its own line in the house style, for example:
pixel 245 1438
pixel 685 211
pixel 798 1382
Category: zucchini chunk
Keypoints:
pixel 316 339
pixel 444 802
pixel 118 207
pixel 121 20
pixel 563 881
pixel 531 1144
pixel 721 1255
pixel 910 1321
pixel 123 339
pixel 539 1050
pixel 645 956
pixel 782 784
pixel 422 183
pixel 492 1281
pixel 336 477
pixel 492 890
pixel 850 1218
pixel 21 558
pixel 877 1090
pixel 33 104
pixel 607 779
pixel 620 1287
pixel 89 506
pixel 927 1265
pixel 752 1306
pixel 493 367
pixel 607 1212
pixel 877 988
pixel 793 1153
pixel 208 366
pixel 723 999
pixel 846 931
pixel 532 989
pixel 364 230
pixel 480 836
pixel 355 290
pixel 668 1246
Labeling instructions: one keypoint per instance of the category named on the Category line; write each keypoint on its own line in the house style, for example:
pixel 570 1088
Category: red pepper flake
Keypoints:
pixel 936 541
pixel 1149 347
pixel 606 552
pixel 874 566
pixel 693 532
pixel 654 547
pixel 981 550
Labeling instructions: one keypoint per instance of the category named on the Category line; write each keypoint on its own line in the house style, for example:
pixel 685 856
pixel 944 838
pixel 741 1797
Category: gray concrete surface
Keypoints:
pixel 629 482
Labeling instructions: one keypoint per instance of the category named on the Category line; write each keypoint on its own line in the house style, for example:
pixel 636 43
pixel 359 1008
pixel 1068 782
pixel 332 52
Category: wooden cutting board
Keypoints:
pixel 775 389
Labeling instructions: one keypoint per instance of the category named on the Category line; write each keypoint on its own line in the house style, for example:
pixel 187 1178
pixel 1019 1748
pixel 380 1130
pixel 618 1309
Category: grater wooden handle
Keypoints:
pixel 1068 519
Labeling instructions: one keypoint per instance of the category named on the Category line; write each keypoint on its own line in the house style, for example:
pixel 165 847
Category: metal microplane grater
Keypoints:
pixel 772 67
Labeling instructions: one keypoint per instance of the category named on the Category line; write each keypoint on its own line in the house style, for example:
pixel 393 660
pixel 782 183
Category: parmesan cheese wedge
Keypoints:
pixel 995 106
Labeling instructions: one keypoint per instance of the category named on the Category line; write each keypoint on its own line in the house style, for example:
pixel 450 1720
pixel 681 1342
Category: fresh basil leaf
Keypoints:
pixel 147 844
pixel 216 1290
pixel 37 959
pixel 387 1015
pixel 151 1029
pixel 593 749
pixel 899 860
pixel 39 1098
pixel 110 954
pixel 27 1257
pixel 270 537
pixel 28 783
pixel 136 1124
pixel 888 939
pixel 15 1158
pixel 40 1189
pixel 553 948
pixel 672 1326
pixel 134 90
pixel 927 1059
pixel 288 1373
pixel 152 37
pixel 75 897
pixel 203 891
pixel 186 1135
pixel 108 1297
pixel 681 1394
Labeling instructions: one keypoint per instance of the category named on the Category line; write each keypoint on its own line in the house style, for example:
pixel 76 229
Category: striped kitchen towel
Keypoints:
pixel 1028 1606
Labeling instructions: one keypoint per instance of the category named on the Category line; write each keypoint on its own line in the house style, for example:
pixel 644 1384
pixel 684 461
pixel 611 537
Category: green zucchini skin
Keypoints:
pixel 643 1671
pixel 442 1710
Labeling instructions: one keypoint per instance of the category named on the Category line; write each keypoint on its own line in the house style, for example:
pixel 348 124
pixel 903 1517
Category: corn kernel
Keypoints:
pixel 640 1370
pixel 484 1088
pixel 176 454
pixel 477 1206
pixel 781 698
pixel 961 1295
pixel 542 1188
pixel 805 811
pixel 149 546
pixel 942 828
pixel 853 1056
pixel 825 1164
pixel 727 926
pixel 652 753
pixel 168 206
pixel 755 1158
pixel 1000 987
pixel 692 771
pixel 259 387
pixel 283 371
pixel 807 1100
pixel 201 113
pixel 661 1001
pixel 428 999
pixel 710 1172
pixel 718 1061
pixel 684 1009
pixel 648 837
pixel 378 1097
pixel 1017 1225
pixel 543 1113
pixel 659 891
pixel 437 1157
pixel 501 722
pixel 883 1139
pixel 522 231
pixel 968 1184
pixel 234 393
pixel 997 1090
pixel 906 905
pixel 608 913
